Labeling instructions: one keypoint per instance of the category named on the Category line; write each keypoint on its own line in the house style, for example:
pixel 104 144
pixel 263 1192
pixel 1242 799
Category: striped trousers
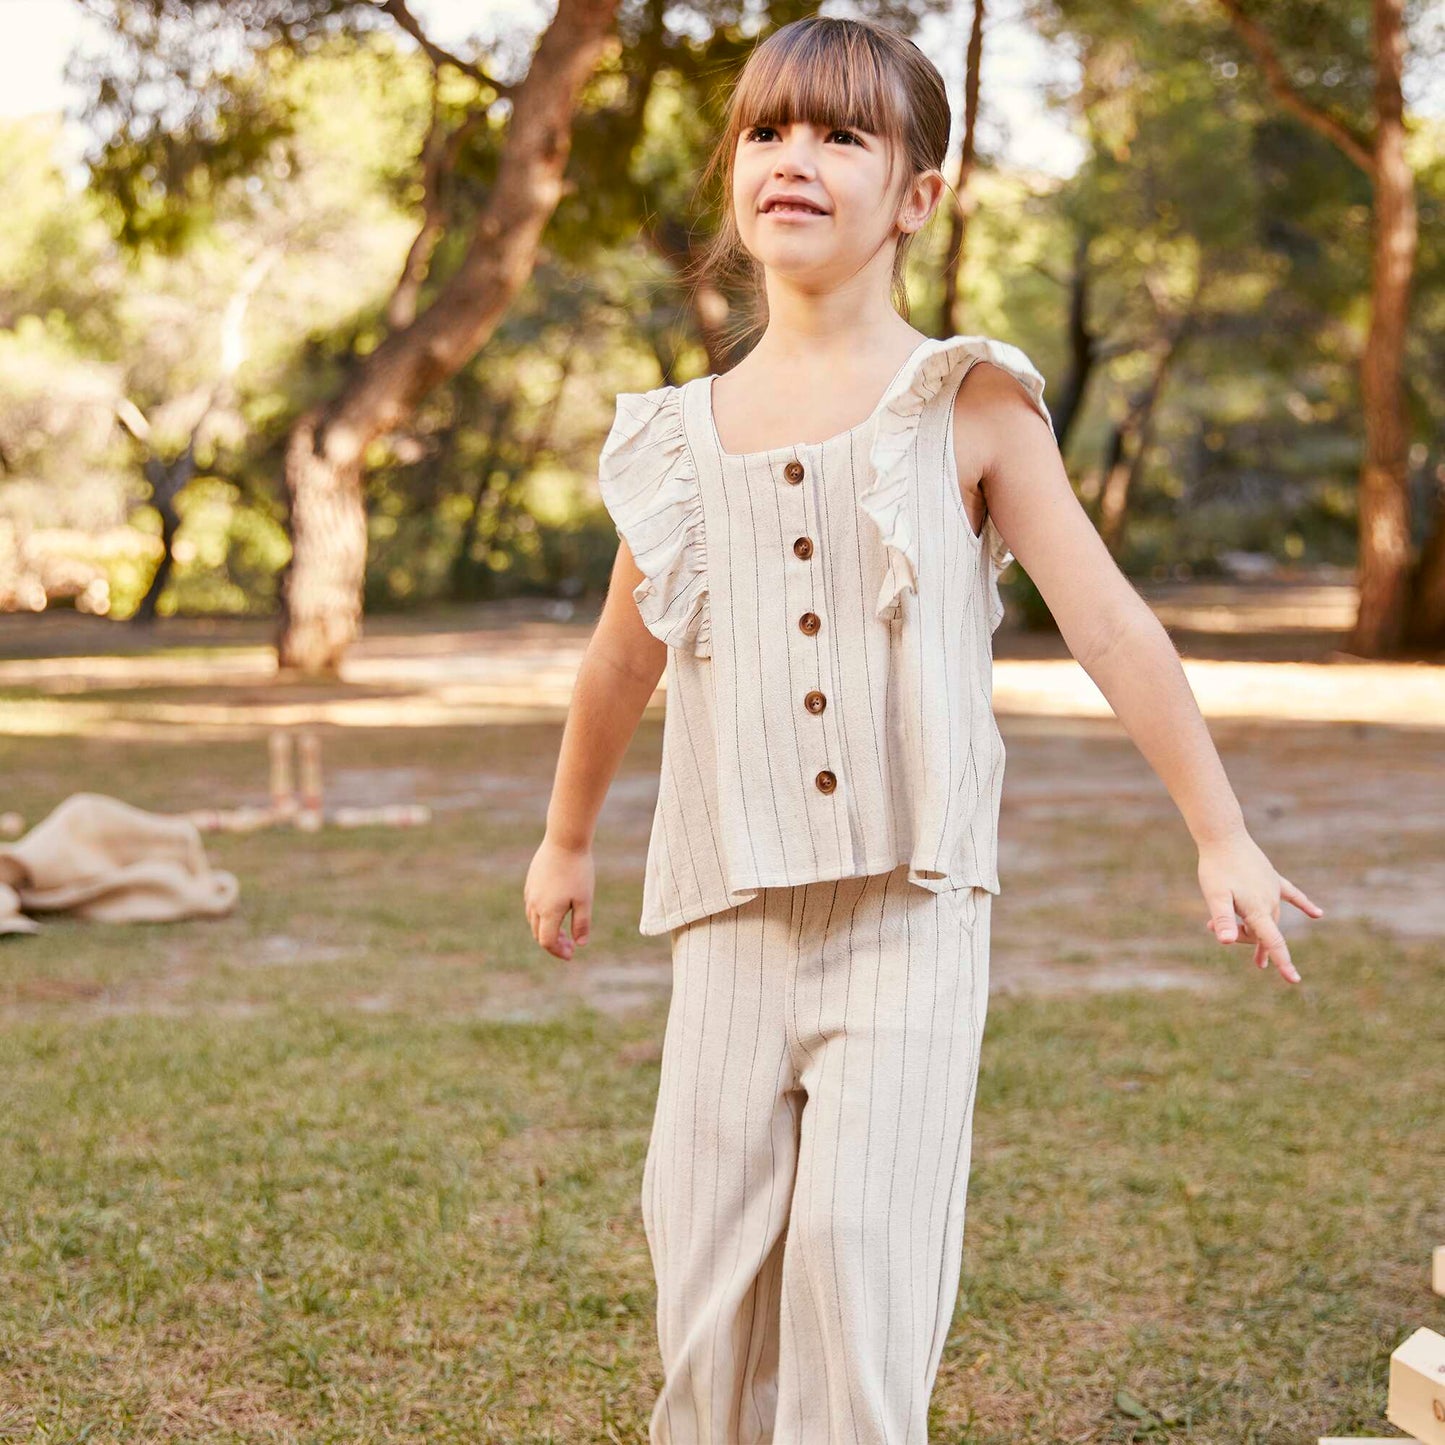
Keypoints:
pixel 804 1188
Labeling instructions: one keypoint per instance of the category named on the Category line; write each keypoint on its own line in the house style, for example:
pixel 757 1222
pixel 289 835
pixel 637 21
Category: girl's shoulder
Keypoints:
pixel 937 370
pixel 928 388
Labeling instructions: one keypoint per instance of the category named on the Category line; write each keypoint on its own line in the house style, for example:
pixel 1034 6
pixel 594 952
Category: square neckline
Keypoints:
pixel 791 448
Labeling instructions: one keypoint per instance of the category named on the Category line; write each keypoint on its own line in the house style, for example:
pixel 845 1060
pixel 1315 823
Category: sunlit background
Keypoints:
pixel 355 1159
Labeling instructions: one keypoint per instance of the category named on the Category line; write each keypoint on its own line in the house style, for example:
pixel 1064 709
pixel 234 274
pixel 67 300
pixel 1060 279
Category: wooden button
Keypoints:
pixel 810 622
pixel 815 702
pixel 794 472
pixel 803 547
pixel 826 781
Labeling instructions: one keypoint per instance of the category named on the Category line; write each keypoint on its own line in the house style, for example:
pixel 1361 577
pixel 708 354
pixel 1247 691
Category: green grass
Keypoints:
pixel 290 1176
pixel 325 1227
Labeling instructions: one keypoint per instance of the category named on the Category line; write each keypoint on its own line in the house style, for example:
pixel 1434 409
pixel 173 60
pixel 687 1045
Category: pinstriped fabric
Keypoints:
pixel 804 1191
pixel 648 477
pixel 906 597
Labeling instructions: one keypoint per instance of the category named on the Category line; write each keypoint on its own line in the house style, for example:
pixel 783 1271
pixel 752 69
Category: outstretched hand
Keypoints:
pixel 1236 877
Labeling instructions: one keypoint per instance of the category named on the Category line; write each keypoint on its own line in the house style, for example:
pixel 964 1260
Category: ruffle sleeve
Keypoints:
pixel 649 486
pixel 889 498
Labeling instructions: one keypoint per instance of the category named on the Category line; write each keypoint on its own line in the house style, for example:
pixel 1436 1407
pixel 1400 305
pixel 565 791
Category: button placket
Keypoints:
pixel 815 701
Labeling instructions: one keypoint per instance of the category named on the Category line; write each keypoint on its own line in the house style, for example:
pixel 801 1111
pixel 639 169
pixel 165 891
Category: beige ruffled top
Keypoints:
pixel 829 612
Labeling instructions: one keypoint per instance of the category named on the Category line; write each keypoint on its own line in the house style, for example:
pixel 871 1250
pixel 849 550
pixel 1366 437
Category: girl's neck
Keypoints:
pixel 794 396
pixel 827 340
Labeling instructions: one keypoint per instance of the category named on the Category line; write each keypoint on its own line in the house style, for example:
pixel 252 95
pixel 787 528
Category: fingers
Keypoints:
pixel 551 935
pixel 1291 894
pixel 547 927
pixel 1260 928
pixel 1266 931
pixel 581 921
pixel 1221 917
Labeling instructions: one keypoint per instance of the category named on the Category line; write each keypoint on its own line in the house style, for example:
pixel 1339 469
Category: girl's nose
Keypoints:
pixel 796 155
pixel 796 163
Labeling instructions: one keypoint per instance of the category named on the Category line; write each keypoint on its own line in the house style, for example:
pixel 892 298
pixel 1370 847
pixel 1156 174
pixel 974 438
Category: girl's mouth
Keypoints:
pixel 784 203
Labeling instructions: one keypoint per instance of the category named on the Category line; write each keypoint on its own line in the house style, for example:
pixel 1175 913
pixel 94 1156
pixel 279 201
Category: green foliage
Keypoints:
pixel 182 121
pixel 165 187
pixel 224 131
pixel 91 321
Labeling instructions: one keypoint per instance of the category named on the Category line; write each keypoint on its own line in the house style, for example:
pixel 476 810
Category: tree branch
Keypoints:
pixel 1356 145
pixel 440 153
pixel 438 56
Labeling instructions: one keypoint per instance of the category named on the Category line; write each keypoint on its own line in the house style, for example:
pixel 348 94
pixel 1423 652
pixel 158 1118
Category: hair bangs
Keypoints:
pixel 823 75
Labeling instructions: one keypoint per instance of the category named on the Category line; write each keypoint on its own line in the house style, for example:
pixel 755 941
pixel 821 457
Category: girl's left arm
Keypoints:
pixel 1124 648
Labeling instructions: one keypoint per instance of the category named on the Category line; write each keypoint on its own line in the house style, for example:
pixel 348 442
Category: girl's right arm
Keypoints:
pixel 619 673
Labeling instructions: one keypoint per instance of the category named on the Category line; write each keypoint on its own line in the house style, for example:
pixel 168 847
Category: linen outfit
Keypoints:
pixel 824 857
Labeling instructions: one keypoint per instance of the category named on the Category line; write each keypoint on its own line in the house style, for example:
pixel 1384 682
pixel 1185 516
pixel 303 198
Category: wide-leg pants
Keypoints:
pixel 804 1190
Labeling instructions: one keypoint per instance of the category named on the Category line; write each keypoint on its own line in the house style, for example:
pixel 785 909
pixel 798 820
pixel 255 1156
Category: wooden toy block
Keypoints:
pixel 283 779
pixel 245 820
pixel 1416 1399
pixel 308 746
pixel 388 815
pixel 231 820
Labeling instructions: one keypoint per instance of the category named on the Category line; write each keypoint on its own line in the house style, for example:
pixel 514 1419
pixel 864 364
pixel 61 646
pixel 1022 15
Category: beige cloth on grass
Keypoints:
pixel 101 859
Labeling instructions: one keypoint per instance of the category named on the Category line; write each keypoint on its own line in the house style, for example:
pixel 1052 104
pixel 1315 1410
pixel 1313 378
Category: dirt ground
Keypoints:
pixel 1339 764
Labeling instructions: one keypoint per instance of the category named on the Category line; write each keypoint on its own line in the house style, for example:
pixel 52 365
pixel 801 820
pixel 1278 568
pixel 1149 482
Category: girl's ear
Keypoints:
pixel 920 197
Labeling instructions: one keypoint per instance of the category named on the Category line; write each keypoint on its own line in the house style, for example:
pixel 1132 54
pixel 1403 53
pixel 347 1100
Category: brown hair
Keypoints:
pixel 831 72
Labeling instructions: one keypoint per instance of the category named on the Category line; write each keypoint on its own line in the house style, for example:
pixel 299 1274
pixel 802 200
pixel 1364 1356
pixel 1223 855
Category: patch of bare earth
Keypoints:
pixel 1336 761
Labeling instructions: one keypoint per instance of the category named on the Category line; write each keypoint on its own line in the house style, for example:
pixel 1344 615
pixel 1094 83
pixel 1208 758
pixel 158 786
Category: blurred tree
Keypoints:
pixel 1242 232
pixel 1159 228
pixel 90 330
pixel 321 590
pixel 1367 127
pixel 170 477
pixel 1202 304
pixel 172 144
pixel 951 318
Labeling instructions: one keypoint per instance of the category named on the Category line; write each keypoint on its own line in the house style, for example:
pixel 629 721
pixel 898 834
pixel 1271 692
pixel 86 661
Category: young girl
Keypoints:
pixel 811 547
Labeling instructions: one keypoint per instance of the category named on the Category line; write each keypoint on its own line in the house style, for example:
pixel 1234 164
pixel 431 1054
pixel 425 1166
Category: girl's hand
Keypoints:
pixel 1235 875
pixel 558 880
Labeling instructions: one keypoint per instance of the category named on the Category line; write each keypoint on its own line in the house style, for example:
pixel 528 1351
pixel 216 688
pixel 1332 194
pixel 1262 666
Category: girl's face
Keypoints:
pixel 839 175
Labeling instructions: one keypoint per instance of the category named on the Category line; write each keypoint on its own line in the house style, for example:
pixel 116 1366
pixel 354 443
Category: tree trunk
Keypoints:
pixel 1114 492
pixel 501 419
pixel 1083 345
pixel 164 502
pixel 321 587
pixel 951 307
pixel 1426 627
pixel 1384 506
pixel 321 584
pixel 1138 428
pixel 1385 571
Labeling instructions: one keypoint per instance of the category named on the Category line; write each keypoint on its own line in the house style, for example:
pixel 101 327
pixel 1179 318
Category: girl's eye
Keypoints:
pixel 759 132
